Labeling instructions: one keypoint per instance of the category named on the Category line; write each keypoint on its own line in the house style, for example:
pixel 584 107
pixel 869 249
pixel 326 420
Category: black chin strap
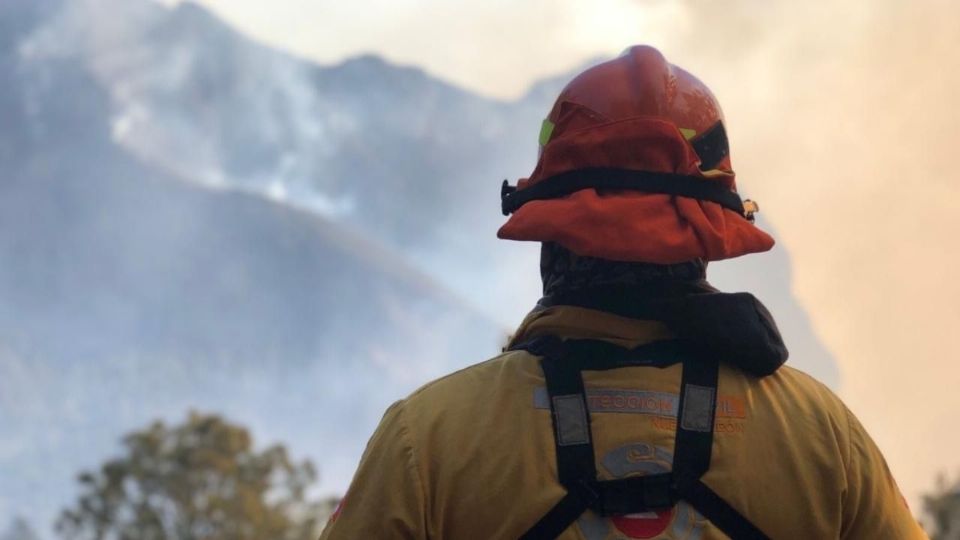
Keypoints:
pixel 569 182
pixel 563 363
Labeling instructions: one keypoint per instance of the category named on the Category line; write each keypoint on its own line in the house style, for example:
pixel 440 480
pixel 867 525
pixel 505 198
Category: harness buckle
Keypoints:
pixel 660 492
pixel 635 494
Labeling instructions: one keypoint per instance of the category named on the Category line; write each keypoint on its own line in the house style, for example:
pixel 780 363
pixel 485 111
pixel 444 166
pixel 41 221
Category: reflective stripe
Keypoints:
pixel 698 407
pixel 620 401
pixel 571 420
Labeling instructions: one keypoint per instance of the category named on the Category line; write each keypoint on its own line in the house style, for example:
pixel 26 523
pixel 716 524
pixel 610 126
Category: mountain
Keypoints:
pixel 387 150
pixel 130 293
pixel 191 219
pixel 358 140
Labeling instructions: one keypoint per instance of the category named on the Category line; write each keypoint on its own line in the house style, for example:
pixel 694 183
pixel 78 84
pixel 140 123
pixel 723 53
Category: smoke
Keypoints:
pixel 844 124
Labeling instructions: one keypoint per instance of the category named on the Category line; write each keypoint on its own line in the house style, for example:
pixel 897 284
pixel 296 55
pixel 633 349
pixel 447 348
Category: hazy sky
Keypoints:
pixel 843 124
pixel 496 47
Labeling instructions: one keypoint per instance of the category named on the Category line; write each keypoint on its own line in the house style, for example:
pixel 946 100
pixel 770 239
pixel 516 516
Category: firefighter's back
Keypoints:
pixel 477 451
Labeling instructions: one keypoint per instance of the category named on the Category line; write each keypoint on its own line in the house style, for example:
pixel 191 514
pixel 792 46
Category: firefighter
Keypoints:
pixel 635 400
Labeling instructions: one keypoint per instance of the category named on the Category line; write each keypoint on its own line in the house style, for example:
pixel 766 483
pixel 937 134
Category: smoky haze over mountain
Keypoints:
pixel 854 153
pixel 191 220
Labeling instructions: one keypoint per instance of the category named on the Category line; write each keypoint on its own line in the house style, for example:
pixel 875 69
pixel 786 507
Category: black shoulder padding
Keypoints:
pixel 735 326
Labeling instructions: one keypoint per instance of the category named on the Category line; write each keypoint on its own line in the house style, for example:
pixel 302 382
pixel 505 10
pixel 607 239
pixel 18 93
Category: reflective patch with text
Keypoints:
pixel 660 406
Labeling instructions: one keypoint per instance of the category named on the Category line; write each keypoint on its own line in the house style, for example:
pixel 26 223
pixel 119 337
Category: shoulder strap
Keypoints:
pixel 563 363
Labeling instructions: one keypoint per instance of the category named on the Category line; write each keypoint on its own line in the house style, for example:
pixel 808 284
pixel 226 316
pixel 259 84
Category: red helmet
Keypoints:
pixel 634 166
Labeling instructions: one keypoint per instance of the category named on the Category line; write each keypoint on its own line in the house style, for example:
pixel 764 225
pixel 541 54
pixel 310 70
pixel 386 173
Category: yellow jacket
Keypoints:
pixel 471 455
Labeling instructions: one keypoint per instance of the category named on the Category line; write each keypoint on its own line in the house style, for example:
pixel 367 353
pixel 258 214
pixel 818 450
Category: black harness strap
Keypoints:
pixel 694 439
pixel 720 513
pixel 563 364
pixel 569 182
pixel 571 423
pixel 561 516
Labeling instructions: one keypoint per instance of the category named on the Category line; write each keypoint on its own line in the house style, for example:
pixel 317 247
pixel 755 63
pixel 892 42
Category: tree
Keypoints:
pixel 201 480
pixel 943 508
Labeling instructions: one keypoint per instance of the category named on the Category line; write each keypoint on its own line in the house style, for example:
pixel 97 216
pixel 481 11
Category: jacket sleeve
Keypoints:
pixel 386 497
pixel 873 506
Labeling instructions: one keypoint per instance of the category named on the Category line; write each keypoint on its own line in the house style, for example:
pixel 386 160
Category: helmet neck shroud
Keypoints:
pixel 563 271
pixel 735 326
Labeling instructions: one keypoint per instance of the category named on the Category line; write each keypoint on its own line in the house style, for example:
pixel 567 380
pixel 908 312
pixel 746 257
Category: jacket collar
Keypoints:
pixel 735 326
pixel 571 322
